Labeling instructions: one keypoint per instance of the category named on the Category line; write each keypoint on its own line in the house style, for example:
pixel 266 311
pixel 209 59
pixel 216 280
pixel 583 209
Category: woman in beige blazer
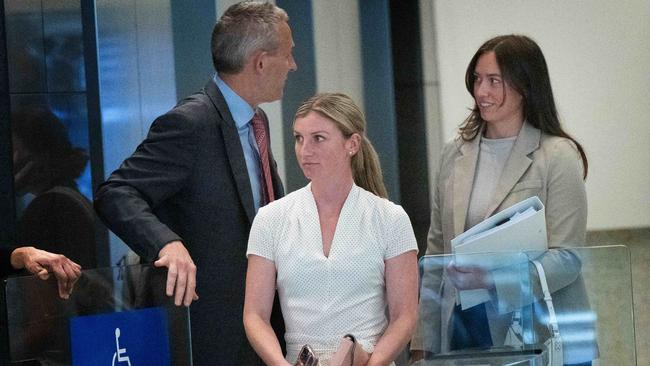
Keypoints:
pixel 511 147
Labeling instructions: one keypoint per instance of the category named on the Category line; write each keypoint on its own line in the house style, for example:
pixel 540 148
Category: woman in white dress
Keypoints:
pixel 343 257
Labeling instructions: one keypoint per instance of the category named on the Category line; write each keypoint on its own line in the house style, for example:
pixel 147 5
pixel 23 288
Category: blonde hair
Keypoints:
pixel 341 109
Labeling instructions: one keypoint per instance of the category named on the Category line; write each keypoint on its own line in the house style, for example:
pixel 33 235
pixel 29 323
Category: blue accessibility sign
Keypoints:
pixel 128 338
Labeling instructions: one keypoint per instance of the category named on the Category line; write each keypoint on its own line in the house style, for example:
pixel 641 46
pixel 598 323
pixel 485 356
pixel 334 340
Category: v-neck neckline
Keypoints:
pixel 337 227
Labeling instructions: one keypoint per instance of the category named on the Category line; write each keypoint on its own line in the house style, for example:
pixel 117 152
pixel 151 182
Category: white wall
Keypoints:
pixel 598 53
pixel 337 47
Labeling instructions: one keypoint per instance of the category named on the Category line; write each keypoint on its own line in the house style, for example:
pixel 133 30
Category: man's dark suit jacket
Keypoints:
pixel 188 181
pixel 5 262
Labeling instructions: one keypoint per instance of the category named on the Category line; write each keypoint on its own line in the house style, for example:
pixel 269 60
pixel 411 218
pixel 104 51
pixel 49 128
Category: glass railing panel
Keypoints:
pixel 463 321
pixel 607 276
pixel 591 293
pixel 114 316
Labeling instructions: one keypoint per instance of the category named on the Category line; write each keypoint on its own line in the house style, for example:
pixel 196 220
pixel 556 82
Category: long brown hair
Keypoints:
pixel 346 115
pixel 523 67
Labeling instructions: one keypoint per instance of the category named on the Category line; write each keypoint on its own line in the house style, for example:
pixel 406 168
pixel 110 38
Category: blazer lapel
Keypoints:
pixel 516 165
pixel 464 169
pixel 233 148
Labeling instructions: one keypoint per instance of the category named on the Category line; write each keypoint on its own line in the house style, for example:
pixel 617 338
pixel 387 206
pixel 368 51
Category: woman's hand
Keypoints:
pixel 469 277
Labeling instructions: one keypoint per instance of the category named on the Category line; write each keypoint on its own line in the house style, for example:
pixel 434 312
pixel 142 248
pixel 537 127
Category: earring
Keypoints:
pixel 351 153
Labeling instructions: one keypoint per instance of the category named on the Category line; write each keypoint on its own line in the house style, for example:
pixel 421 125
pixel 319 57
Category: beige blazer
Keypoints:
pixel 539 165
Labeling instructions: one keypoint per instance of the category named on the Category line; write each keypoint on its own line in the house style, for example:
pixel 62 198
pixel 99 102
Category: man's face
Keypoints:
pixel 277 64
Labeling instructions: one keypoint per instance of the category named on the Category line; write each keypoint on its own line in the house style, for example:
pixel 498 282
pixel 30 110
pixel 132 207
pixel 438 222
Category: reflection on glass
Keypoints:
pixel 25 53
pixel 50 127
pixel 57 218
pixel 54 331
pixel 71 109
pixel 512 318
pixel 62 42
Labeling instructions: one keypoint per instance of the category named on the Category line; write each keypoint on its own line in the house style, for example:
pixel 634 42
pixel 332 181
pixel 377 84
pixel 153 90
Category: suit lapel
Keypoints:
pixel 464 169
pixel 516 165
pixel 233 148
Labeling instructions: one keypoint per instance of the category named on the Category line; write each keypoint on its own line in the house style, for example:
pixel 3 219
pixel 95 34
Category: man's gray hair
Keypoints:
pixel 244 28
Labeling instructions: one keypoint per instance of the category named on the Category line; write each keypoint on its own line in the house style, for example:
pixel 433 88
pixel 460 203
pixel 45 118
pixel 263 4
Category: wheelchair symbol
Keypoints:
pixel 119 356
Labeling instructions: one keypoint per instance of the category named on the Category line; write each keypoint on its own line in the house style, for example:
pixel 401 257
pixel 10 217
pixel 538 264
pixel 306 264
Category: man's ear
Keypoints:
pixel 259 60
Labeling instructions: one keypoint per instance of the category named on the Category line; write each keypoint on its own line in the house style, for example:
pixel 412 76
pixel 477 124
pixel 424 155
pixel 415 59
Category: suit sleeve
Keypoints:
pixel 158 169
pixel 566 226
pixel 566 217
pixel 435 239
pixel 5 262
pixel 566 203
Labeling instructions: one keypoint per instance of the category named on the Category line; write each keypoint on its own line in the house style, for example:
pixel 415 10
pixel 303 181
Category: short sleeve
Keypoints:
pixel 261 239
pixel 399 233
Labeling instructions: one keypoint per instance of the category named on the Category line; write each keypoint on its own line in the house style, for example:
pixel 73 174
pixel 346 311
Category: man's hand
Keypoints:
pixel 469 277
pixel 42 263
pixel 181 272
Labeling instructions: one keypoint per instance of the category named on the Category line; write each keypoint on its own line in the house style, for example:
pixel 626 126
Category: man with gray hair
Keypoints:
pixel 187 196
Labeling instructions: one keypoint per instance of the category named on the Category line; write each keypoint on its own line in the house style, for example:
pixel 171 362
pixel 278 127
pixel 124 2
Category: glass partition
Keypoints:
pixel 115 316
pixel 490 308
pixel 607 275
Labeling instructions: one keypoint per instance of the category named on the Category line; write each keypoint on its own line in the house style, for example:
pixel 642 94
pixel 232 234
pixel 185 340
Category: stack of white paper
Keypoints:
pixel 501 237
